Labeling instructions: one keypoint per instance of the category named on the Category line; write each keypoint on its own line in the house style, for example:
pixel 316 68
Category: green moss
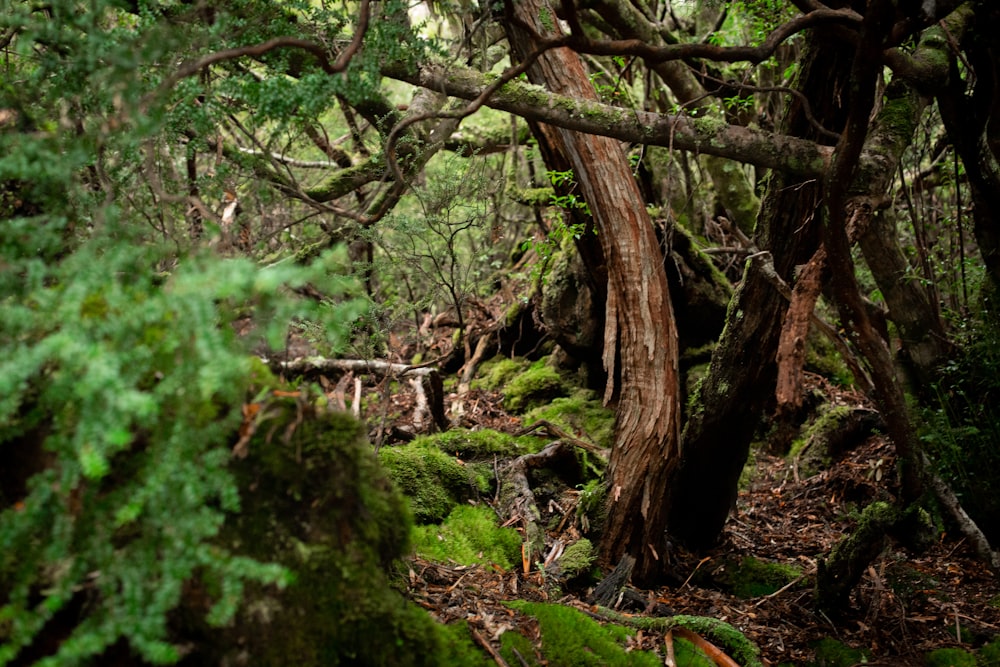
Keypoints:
pixel 582 414
pixel 497 372
pixel 950 657
pixel 823 358
pixel 482 443
pixel 751 578
pixel 832 653
pixel 516 649
pixel 317 503
pixel 469 535
pixel 591 509
pixel 570 638
pixel 723 635
pixel 577 558
pixel 814 459
pixel 432 481
pixel 539 384
pixel 989 655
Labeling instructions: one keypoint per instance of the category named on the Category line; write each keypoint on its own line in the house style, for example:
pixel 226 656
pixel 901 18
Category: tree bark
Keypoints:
pixel 742 374
pixel 640 332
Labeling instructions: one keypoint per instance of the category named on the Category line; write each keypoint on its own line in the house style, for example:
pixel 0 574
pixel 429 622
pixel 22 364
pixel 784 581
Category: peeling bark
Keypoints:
pixel 640 332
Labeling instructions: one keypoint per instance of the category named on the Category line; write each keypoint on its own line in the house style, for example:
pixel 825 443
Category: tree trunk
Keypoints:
pixel 742 375
pixel 640 346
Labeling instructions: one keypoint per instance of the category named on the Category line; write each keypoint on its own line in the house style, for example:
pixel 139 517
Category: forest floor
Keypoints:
pixel 905 605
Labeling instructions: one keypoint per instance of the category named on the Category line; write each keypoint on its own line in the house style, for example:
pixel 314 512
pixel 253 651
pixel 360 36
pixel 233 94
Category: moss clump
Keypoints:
pixel 483 443
pixel 469 535
pixel 516 649
pixel 432 481
pixel 832 653
pixel 571 639
pixel 720 633
pixel 577 558
pixel 989 655
pixel 592 510
pixel 810 448
pixel 581 413
pixel 317 503
pixel 539 384
pixel 497 372
pixel 950 657
pixel 751 578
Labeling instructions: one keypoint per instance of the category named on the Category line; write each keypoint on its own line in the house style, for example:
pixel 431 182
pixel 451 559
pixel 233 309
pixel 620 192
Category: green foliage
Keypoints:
pixel 132 388
pixel 960 432
pixel 121 377
pixel 469 535
pixel 433 481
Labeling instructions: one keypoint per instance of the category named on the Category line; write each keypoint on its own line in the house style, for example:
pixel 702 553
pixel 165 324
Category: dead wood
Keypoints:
pixel 517 500
pixel 607 593
pixel 557 432
pixel 430 384
pixel 965 523
pixel 795 331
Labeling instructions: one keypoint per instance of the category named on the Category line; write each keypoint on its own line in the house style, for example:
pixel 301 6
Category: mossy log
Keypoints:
pixel 837 575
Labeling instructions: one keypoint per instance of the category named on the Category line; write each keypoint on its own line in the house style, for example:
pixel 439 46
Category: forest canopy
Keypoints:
pixel 189 190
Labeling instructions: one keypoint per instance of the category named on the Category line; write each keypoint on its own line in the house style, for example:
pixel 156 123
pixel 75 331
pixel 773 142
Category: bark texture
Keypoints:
pixel 640 341
pixel 742 374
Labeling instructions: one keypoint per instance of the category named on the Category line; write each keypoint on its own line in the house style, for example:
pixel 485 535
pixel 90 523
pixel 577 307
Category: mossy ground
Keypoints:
pixel 832 653
pixel 751 578
pixel 569 638
pixel 950 657
pixel 469 535
pixel 579 413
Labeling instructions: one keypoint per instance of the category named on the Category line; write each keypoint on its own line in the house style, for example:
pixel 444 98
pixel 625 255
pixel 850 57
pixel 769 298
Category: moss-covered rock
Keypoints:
pixel 315 501
pixel 469 535
pixel 432 481
pixel 537 385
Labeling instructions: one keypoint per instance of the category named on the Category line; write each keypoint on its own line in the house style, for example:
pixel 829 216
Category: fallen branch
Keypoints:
pixel 430 384
pixel 965 523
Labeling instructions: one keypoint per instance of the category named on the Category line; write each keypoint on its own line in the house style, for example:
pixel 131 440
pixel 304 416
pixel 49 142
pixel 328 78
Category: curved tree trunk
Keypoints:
pixel 640 332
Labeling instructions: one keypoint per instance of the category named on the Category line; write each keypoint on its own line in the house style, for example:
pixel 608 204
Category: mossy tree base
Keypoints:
pixel 316 502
